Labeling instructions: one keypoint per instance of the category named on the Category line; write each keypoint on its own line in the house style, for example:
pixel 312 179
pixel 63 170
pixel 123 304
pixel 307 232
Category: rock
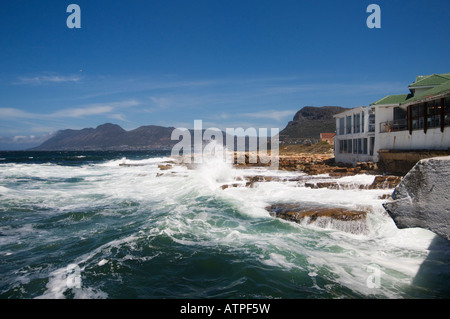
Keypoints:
pixel 164 167
pixel 422 199
pixel 130 165
pixel 313 164
pixel 385 182
pixel 352 221
pixel 329 185
pixel 251 180
pixel 225 186
pixel 380 182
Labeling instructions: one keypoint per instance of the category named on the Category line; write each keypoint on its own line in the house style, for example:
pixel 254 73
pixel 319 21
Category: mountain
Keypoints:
pixel 110 137
pixel 309 122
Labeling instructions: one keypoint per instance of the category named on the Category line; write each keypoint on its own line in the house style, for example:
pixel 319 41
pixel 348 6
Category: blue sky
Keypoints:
pixel 229 63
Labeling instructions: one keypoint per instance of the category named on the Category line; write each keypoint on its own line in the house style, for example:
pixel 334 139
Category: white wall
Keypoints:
pixel 382 114
pixel 351 158
pixel 421 90
pixel 434 139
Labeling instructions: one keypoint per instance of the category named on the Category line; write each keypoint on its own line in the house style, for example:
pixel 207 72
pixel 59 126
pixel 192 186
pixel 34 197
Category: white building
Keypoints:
pixel 355 135
pixel 417 121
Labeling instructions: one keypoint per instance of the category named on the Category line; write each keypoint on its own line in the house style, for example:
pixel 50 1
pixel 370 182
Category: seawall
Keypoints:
pixel 401 162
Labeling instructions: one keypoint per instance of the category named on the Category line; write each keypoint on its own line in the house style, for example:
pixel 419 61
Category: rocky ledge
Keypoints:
pixel 352 221
pixel 314 164
pixel 380 182
pixel 422 199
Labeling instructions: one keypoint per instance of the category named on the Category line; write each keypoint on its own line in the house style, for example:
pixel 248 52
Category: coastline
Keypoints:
pixel 310 171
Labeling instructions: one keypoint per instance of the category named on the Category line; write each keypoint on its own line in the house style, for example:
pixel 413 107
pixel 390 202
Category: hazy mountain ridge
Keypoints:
pixel 111 137
pixel 307 123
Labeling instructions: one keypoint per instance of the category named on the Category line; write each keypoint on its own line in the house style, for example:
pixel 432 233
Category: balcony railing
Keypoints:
pixel 393 126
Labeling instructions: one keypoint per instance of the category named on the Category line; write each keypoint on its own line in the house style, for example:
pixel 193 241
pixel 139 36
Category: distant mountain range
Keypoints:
pixel 307 123
pixel 110 137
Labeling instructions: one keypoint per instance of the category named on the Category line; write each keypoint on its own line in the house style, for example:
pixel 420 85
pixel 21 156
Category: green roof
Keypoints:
pixel 440 84
pixel 431 80
pixel 438 90
pixel 392 99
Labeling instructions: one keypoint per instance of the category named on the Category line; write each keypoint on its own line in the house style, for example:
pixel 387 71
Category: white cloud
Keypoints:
pixel 41 79
pixel 92 109
pixel 119 117
pixel 80 112
pixel 271 114
pixel 22 139
pixel 7 112
pixel 19 138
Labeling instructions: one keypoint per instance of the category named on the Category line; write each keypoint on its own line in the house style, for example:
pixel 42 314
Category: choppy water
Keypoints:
pixel 80 225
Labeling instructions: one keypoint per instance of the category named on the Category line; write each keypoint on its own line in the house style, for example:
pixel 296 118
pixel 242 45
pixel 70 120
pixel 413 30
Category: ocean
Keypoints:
pixel 115 225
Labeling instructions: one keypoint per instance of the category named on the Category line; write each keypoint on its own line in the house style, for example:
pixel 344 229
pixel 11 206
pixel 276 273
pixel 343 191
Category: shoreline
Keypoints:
pixel 313 169
pixel 314 164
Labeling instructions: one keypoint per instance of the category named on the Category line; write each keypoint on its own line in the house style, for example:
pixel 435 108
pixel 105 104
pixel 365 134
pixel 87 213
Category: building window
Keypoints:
pixel 372 145
pixel 356 122
pixel 341 126
pixel 345 146
pixel 349 125
pixel 434 114
pixel 417 116
pixel 371 120
pixel 356 146
pixel 447 111
pixel 362 122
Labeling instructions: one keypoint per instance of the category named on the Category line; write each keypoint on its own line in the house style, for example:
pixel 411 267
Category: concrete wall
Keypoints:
pixel 401 162
pixel 382 114
pixel 352 158
pixel 434 139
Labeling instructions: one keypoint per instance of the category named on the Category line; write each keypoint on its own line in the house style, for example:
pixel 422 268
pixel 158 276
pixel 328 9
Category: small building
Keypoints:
pixel 327 137
pixel 416 121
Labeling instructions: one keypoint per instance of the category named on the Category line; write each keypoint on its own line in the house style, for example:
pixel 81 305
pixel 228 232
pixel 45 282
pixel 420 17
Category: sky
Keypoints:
pixel 229 63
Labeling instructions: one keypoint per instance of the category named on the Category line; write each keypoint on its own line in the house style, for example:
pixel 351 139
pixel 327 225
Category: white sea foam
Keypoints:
pixel 4 189
pixel 193 210
pixel 58 285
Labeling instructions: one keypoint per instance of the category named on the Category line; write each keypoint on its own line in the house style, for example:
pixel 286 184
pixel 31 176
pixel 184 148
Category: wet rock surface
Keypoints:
pixel 380 182
pixel 312 164
pixel 353 221
pixel 422 199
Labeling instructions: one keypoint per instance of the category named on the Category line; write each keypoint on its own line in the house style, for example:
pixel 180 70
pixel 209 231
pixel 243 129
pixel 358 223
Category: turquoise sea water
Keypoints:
pixel 83 225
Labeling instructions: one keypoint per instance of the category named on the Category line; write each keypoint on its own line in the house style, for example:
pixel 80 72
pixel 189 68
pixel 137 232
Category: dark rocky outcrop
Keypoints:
pixel 422 199
pixel 309 122
pixel 380 182
pixel 314 164
pixel 353 221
